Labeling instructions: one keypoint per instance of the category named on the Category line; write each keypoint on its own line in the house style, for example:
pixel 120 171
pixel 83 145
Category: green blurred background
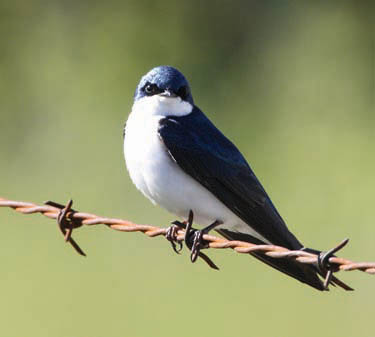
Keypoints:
pixel 290 82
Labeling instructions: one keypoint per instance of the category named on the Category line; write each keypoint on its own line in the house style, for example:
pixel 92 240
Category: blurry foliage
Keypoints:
pixel 290 82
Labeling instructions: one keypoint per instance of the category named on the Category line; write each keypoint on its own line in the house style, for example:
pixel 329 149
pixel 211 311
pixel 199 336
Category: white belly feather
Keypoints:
pixel 159 178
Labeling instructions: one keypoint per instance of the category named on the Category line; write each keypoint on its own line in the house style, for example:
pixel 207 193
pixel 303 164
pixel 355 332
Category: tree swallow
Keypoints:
pixel 179 160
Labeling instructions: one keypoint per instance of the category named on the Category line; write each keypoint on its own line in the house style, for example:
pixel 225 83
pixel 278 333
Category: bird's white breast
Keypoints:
pixel 150 166
pixel 159 178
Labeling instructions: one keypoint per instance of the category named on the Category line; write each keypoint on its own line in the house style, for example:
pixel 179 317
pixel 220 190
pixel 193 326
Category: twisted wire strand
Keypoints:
pixel 277 252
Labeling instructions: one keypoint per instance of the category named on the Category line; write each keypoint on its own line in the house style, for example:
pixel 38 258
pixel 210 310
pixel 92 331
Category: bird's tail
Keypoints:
pixel 304 273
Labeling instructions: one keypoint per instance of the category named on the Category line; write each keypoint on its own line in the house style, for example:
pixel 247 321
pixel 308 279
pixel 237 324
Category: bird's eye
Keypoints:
pixel 151 89
pixel 183 92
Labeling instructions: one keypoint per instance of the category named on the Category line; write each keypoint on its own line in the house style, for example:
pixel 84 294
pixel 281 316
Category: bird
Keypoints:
pixel 182 162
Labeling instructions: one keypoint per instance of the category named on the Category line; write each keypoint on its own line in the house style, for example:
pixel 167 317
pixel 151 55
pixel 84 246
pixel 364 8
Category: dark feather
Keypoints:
pixel 205 154
pixel 304 273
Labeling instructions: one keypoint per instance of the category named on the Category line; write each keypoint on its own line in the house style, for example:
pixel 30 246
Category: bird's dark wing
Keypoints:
pixel 205 154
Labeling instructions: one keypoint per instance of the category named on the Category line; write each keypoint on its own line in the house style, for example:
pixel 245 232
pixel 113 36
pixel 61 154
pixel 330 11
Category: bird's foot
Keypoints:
pixel 171 235
pixel 195 242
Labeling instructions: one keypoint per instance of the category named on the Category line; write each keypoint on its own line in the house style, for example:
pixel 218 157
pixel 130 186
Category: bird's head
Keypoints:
pixel 166 83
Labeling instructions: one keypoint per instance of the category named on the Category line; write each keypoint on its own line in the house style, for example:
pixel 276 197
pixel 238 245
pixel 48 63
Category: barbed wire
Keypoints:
pixel 69 219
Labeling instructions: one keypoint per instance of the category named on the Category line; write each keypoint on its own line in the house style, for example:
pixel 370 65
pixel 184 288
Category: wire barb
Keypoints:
pixel 328 268
pixel 67 223
pixel 69 219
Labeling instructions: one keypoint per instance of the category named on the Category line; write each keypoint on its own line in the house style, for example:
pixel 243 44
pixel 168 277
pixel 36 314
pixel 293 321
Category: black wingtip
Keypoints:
pixel 304 273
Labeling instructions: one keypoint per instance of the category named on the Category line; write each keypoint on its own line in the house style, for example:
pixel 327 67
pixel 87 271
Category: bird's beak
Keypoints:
pixel 168 93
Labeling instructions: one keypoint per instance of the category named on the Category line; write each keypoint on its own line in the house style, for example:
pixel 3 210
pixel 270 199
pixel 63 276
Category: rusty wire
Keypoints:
pixel 69 219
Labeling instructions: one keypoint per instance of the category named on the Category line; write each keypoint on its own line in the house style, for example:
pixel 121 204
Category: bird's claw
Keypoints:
pixel 171 236
pixel 193 239
pixel 195 242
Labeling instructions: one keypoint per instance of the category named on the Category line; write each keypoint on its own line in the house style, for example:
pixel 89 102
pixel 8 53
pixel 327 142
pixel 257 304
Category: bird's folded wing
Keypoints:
pixel 205 154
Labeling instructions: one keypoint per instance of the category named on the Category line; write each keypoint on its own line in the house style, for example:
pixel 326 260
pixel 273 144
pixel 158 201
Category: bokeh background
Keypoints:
pixel 290 82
